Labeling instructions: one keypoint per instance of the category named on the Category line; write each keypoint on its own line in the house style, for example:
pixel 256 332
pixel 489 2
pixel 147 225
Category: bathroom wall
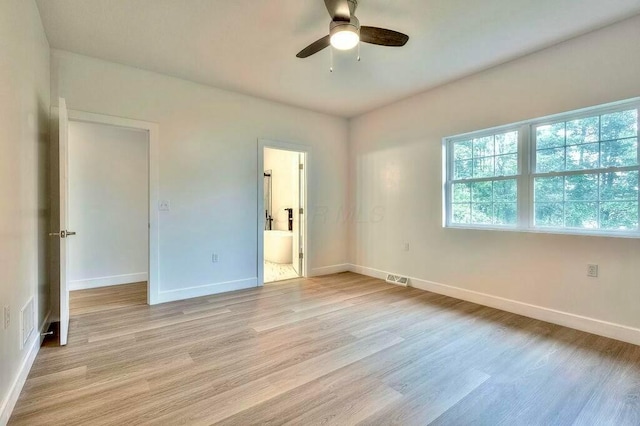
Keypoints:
pixel 284 183
pixel 108 205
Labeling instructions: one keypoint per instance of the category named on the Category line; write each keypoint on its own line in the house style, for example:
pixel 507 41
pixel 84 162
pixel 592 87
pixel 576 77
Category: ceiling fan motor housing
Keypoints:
pixel 337 26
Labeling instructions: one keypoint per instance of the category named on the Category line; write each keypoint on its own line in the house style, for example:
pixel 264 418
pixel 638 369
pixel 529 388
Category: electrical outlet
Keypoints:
pixel 214 257
pixel 7 317
pixel 592 271
pixel 405 247
pixel 164 205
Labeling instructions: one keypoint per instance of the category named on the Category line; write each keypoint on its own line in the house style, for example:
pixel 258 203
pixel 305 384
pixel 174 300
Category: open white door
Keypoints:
pixel 302 185
pixel 63 234
pixel 298 221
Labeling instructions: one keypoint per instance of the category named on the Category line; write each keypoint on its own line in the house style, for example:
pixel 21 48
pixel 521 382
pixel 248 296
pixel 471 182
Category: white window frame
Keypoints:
pixel 449 180
pixel 527 174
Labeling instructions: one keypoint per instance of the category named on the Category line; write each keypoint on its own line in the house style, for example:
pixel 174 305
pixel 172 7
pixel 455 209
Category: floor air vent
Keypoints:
pixel 397 279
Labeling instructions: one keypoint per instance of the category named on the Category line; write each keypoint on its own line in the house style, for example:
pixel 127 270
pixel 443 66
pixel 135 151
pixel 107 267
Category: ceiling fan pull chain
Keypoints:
pixel 358 52
pixel 331 59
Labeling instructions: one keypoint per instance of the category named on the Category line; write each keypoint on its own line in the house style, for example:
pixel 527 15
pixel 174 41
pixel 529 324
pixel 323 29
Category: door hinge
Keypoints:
pixel 301 166
pixel 301 210
pixel 301 256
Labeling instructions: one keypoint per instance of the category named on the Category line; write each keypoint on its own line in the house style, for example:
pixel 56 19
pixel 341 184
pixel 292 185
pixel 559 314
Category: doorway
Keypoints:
pixel 97 176
pixel 109 211
pixel 282 198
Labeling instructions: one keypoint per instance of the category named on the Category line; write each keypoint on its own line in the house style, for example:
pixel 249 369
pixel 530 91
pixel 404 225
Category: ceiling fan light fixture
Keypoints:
pixel 345 36
pixel 346 33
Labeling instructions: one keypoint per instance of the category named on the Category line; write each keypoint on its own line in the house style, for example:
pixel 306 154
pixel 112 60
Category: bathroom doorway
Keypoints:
pixel 281 209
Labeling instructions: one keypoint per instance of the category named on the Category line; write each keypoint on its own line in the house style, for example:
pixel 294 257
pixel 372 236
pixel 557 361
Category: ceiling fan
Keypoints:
pixel 345 31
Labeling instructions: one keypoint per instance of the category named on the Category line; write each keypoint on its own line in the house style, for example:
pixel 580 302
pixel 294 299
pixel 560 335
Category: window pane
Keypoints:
pixel 463 169
pixel 505 213
pixel 507 143
pixel 581 215
pixel 549 189
pixel 621 216
pixel 550 160
pixel 549 214
pixel 584 130
pixel 462 150
pixel 619 125
pixel 581 187
pixel 461 213
pixel 482 213
pixel 483 147
pixel 483 167
pixel 477 158
pixel 581 157
pixel 482 191
pixel 505 190
pixel 550 136
pixel 507 165
pixel 620 186
pixel 461 192
pixel 619 153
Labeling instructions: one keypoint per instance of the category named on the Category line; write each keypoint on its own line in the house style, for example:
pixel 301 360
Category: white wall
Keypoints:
pixel 284 171
pixel 396 175
pixel 24 111
pixel 208 168
pixel 108 205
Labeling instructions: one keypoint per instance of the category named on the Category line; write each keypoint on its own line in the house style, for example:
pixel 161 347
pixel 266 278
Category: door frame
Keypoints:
pixel 284 146
pixel 153 284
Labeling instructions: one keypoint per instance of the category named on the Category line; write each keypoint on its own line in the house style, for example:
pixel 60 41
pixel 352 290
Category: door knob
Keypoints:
pixel 62 234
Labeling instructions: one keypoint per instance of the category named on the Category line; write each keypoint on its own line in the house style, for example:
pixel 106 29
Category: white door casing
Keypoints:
pixel 305 153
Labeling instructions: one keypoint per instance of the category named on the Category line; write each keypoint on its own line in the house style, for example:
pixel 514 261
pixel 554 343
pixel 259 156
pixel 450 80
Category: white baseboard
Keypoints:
pixel 370 272
pixel 206 290
pixel 108 281
pixel 578 322
pixel 332 269
pixel 9 402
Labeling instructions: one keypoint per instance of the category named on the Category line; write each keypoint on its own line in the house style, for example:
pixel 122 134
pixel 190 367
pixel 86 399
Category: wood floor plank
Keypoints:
pixel 352 405
pixel 615 399
pixel 211 410
pixel 152 325
pixel 434 396
pixel 340 349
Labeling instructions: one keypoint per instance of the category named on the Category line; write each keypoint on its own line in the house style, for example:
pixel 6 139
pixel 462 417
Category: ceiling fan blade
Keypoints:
pixel 338 10
pixel 382 36
pixel 314 47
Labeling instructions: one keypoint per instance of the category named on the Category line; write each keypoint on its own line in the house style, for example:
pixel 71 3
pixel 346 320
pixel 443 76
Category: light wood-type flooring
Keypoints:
pixel 340 349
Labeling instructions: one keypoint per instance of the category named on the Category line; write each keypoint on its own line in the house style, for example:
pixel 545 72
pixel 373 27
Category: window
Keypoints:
pixel 576 172
pixel 484 180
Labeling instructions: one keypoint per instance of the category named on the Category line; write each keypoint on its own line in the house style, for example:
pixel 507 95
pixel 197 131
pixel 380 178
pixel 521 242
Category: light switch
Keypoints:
pixel 164 205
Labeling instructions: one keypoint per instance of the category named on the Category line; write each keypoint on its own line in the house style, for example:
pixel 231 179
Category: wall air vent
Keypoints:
pixel 398 280
pixel 27 322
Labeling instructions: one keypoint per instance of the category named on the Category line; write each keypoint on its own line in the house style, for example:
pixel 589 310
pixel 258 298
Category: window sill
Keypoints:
pixel 556 231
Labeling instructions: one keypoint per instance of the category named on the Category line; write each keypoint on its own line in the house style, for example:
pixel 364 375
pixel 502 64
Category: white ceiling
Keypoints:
pixel 249 46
